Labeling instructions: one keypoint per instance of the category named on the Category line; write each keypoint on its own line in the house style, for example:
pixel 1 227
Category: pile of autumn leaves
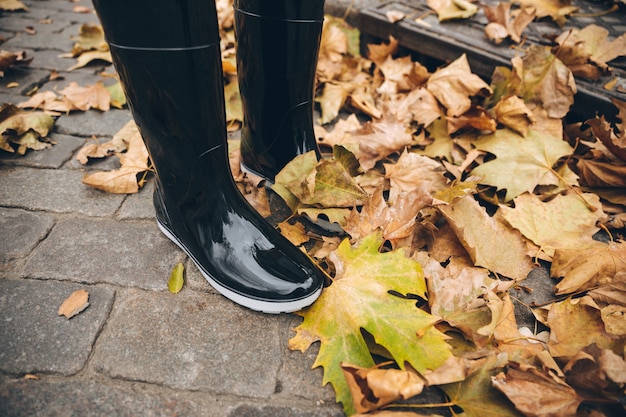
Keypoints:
pixel 450 190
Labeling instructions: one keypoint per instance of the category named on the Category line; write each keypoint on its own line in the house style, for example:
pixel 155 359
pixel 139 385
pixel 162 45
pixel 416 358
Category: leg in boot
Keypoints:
pixel 168 57
pixel 277 48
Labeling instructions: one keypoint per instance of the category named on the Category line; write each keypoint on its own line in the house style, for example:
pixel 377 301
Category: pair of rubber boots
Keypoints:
pixel 167 54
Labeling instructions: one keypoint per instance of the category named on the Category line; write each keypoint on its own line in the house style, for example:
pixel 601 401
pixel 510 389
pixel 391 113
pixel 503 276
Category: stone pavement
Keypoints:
pixel 137 350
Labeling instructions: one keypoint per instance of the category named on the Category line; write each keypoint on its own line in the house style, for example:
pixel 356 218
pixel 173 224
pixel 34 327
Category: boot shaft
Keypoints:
pixel 158 23
pixel 277 48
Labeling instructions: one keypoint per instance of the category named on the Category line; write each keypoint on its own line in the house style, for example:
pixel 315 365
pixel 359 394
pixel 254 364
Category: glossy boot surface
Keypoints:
pixel 277 48
pixel 175 93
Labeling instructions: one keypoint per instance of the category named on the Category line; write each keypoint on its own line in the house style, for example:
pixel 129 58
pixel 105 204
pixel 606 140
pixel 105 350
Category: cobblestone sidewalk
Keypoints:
pixel 137 350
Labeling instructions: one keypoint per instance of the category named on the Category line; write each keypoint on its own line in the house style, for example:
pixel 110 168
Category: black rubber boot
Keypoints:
pixel 277 47
pixel 168 57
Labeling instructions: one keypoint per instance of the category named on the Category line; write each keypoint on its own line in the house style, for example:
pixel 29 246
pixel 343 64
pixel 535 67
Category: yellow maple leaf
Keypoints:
pixel 360 295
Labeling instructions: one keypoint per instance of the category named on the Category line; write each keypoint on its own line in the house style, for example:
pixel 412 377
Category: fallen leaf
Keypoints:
pixel 360 295
pixel 502 25
pixel 452 9
pixel 74 304
pixel 587 268
pixel 454 84
pixel 177 279
pixel 12 59
pixel 12 5
pixel 26 130
pixel 537 393
pixel 489 241
pixel 565 222
pixel 513 113
pixel 558 10
pixel 477 397
pixel 412 171
pixel 372 388
pixel 576 324
pixel 521 164
pixel 295 233
pixel 134 161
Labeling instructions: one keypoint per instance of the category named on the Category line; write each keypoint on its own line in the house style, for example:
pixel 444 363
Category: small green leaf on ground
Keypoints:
pixel 177 279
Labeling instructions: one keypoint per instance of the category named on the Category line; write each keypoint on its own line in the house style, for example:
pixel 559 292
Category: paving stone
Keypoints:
pixel 20 398
pixel 23 22
pixel 53 157
pixel 23 40
pixel 248 410
pixel 88 18
pixel 59 191
pixel 191 341
pixel 93 123
pixel 26 78
pixel 130 254
pixel 21 232
pixel 139 205
pixel 195 280
pixel 296 378
pixel 51 60
pixel 34 338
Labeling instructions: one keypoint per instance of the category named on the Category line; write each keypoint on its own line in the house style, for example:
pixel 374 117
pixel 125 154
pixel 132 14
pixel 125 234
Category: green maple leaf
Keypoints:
pixel 521 164
pixel 359 299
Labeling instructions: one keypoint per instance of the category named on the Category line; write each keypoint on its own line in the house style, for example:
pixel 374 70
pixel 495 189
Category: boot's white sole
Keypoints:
pixel 270 307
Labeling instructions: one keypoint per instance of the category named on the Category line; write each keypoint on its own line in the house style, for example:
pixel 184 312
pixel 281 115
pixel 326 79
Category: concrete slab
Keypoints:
pixel 59 191
pixel 191 341
pixel 53 157
pixel 127 254
pixel 62 398
pixel 34 338
pixel 93 123
pixel 21 232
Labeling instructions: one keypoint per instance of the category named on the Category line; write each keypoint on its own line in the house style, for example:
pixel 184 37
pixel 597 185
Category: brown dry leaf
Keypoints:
pixel 454 85
pixel 537 393
pixel 74 304
pixel 545 81
pixel 616 144
pixel 372 388
pixel 588 268
pixel 81 9
pixel 502 25
pixel 12 59
pixel 613 293
pixel 133 162
pixel 94 96
pixel 119 143
pixel 12 5
pixel 88 57
pixel 413 171
pixel 379 139
pixel 587 51
pixel 452 9
pixel 458 294
pixel 558 10
pixel 379 53
pixel 513 113
pixel 295 233
pixel 601 174
pixel 489 241
pixel 476 395
pixel 333 46
pixel 475 118
pixel 565 222
pixel 576 323
pixel 90 38
pixel 593 370
pixel 401 74
pixel 396 221
pixel 424 106
pixel 26 130
pixel 332 99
